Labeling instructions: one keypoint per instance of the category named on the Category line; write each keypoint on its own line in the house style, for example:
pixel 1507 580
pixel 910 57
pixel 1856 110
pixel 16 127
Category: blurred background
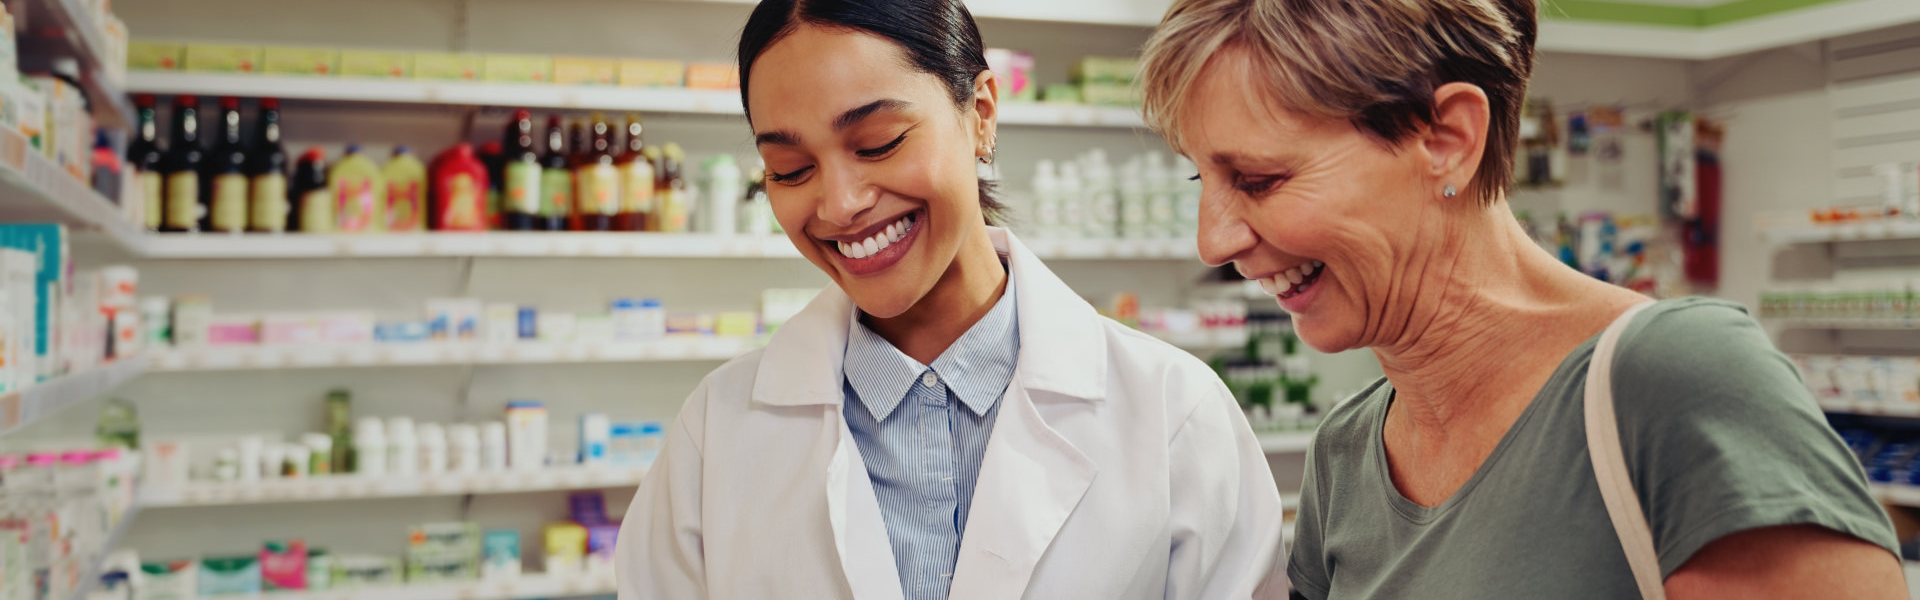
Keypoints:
pixel 392 298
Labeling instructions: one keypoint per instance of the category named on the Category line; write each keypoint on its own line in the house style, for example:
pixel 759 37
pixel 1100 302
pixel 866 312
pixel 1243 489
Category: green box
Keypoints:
pixel 222 58
pixel 373 63
pixel 155 56
pixel 518 68
pixel 1110 94
pixel 447 66
pixel 1105 69
pixel 294 60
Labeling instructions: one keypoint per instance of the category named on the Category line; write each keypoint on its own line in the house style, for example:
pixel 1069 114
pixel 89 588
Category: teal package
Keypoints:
pixel 49 243
pixel 502 546
pixel 228 576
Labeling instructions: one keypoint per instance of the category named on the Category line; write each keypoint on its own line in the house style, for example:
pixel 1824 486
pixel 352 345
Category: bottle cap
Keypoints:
pixel 401 149
pixel 314 154
pixel 186 100
pixel 353 148
pixel 229 103
pixel 269 104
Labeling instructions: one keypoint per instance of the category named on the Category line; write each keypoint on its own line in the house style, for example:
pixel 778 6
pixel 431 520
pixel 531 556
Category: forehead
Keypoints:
pixel 1227 106
pixel 814 73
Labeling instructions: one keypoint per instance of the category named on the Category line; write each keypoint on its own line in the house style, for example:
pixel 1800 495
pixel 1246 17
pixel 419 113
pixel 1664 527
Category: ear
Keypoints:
pixel 986 106
pixel 1456 139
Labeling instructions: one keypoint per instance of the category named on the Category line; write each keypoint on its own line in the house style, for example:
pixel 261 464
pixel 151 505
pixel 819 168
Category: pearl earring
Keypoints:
pixel 1449 192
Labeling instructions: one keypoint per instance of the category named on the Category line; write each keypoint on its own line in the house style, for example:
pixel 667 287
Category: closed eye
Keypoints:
pixel 788 177
pixel 884 149
pixel 1258 185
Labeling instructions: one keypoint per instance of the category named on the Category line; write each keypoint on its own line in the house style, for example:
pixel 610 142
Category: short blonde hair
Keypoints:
pixel 1375 63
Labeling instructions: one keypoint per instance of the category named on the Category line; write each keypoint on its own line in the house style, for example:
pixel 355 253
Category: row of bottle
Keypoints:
pixel 527 182
pixel 1086 198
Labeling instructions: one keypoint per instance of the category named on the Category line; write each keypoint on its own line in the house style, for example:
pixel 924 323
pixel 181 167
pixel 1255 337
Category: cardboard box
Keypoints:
pixel 222 58
pixel 641 72
pixel 517 68
pixel 155 56
pixel 713 76
pixel 1110 94
pixel 1104 69
pixel 576 70
pixel 51 245
pixel 371 63
pixel 446 66
pixel 292 60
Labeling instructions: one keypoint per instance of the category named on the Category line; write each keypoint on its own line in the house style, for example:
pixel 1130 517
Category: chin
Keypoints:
pixel 1324 338
pixel 878 303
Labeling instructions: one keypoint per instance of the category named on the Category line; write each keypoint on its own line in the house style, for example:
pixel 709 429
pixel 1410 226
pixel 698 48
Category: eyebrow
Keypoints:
pixel 840 123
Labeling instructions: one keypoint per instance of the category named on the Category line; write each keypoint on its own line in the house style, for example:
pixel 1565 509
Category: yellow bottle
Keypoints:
pixel 359 193
pixel 406 191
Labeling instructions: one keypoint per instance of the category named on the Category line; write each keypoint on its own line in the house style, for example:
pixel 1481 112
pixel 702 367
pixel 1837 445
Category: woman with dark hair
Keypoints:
pixel 948 419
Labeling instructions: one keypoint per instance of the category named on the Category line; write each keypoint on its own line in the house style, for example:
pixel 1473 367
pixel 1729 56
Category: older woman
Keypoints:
pixel 1355 158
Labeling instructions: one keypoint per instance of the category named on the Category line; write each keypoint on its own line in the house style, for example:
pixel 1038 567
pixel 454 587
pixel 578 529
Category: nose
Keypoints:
pixel 845 196
pixel 1224 232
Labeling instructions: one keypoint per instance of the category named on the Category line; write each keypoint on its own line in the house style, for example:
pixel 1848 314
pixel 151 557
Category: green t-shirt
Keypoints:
pixel 1719 433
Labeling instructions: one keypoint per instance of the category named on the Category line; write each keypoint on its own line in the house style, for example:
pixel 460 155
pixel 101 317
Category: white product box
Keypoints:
pixel 18 271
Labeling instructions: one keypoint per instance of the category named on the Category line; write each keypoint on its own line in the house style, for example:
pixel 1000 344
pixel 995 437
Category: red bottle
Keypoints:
pixel 458 182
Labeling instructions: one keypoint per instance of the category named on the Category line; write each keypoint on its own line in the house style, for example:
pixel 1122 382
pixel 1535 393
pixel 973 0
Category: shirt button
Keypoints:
pixel 928 379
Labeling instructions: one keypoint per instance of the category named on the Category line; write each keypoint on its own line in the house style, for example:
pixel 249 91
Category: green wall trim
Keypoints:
pixel 1668 15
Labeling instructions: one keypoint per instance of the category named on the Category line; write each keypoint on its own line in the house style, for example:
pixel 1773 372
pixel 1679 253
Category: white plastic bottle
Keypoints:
pixel 1160 198
pixel 1134 224
pixel 723 194
pixel 403 448
pixel 1103 200
pixel 370 448
pixel 1073 203
pixel 463 443
pixel 1046 200
pixel 493 446
pixel 433 448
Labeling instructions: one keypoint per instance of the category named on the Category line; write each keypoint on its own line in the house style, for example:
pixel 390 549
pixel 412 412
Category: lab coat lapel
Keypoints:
pixel 859 532
pixel 1030 481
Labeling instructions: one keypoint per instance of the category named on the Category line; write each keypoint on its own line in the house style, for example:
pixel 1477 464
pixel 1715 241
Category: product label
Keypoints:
pixel 556 188
pixel 183 201
pixel 636 188
pixel 597 190
pixel 269 203
pixel 229 202
pixel 522 188
pixel 672 211
pixel 404 206
pixel 154 198
pixel 465 205
pixel 316 212
pixel 355 204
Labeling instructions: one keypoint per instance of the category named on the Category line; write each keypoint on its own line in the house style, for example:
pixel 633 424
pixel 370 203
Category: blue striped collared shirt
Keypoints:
pixel 922 432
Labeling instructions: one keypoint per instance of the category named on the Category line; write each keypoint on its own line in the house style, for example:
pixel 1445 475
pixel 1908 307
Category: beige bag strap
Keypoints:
pixel 1610 464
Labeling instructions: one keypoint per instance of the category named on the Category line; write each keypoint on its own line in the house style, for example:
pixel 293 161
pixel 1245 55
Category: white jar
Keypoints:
pixel 526 435
pixel 433 449
pixel 369 448
pixel 463 443
pixel 403 448
pixel 493 446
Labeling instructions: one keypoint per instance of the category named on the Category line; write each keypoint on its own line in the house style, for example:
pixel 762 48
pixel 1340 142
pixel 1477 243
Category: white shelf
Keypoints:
pixel 347 487
pixel 84 40
pixel 19 409
pixel 1291 442
pixel 571 245
pixel 1890 324
pixel 34 189
pixel 231 357
pixel 522 588
pixel 1897 494
pixel 1875 409
pixel 1883 230
pixel 667 100
pixel 1216 338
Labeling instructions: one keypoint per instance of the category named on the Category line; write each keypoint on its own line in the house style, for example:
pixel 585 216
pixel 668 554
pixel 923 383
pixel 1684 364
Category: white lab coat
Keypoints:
pixel 1120 468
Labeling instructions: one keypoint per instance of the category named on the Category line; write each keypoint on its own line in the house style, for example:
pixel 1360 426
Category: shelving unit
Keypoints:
pixel 34 189
pixel 1885 230
pixel 522 588
pixel 1205 339
pixel 1884 324
pixel 1872 409
pixel 1290 442
pixel 91 575
pixel 572 245
pixel 80 37
pixel 242 357
pixel 663 100
pixel 1897 494
pixel 350 487
pixel 18 409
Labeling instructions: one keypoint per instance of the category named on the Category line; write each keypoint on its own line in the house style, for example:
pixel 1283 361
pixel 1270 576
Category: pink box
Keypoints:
pixel 289 329
pixel 233 330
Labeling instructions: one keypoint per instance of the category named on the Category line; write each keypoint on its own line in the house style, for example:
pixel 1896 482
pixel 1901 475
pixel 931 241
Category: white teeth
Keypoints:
pixel 880 240
pixel 1281 284
pixel 1319 265
pixel 1306 269
pixel 870 247
pixel 892 234
pixel 1294 276
pixel 846 250
pixel 1266 285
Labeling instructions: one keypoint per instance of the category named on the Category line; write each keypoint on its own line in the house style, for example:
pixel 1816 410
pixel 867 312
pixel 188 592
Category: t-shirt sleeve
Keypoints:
pixel 1721 436
pixel 1306 564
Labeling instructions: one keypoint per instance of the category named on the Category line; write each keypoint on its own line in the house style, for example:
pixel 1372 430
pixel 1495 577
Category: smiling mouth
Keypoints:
pixel 880 240
pixel 1294 281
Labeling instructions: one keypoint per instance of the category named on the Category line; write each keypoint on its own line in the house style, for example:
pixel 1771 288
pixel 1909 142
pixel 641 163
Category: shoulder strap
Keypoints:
pixel 1610 464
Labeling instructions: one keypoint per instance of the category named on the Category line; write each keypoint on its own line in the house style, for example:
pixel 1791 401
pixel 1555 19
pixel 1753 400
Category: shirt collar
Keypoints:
pixel 977 367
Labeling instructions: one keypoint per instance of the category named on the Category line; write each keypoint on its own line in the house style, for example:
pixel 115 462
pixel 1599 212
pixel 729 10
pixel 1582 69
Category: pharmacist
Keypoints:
pixel 949 420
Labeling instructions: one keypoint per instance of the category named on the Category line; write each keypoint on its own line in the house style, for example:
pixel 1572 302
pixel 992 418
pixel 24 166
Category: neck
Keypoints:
pixel 1498 308
pixel 964 293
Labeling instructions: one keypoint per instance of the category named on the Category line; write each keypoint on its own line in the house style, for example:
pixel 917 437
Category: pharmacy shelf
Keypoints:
pixel 240 357
pixel 1871 409
pixel 1897 494
pixel 1291 442
pixel 349 487
pixel 90 576
pixel 667 100
pixel 64 28
pixel 35 190
pixel 18 409
pixel 1217 338
pixel 526 587
pixel 572 245
pixel 1872 231
pixel 1868 324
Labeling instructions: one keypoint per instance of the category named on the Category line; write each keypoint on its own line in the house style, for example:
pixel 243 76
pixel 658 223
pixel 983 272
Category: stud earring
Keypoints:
pixel 1449 192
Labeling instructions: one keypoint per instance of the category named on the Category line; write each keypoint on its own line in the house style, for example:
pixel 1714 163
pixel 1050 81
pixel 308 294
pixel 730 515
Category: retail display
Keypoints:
pixel 1871 383
pixel 1085 198
pixel 149 55
pixel 58 511
pixel 1870 300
